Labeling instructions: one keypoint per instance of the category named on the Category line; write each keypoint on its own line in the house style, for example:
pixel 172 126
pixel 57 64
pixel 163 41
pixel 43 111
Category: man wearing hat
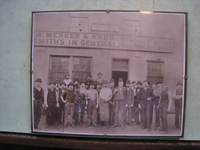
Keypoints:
pixel 111 103
pixel 99 79
pixel 92 96
pixel 62 102
pixel 178 95
pixel 67 79
pixel 50 102
pixel 136 109
pixel 129 103
pixel 69 105
pixel 145 96
pixel 103 102
pixel 38 100
pixel 120 103
pixel 98 88
pixel 88 80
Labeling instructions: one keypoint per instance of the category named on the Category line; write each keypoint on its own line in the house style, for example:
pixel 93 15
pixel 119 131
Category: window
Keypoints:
pixel 77 67
pixel 155 71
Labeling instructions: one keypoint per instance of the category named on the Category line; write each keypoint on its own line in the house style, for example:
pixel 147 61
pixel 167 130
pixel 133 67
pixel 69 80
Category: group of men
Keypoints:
pixel 129 103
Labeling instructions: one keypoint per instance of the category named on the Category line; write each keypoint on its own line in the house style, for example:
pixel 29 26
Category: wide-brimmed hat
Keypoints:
pixel 139 83
pixel 70 84
pixel 179 83
pixel 38 80
pixel 99 73
pixel 92 83
pixel 67 74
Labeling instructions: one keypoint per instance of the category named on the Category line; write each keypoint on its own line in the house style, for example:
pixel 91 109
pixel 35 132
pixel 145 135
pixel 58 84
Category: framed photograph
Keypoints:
pixel 117 74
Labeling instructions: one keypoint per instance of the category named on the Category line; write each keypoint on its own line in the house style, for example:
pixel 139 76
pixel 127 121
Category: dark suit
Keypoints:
pixel 146 106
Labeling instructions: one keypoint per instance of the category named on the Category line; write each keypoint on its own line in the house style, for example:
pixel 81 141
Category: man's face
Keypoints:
pixel 57 85
pixel 105 85
pixel 159 86
pixel 134 86
pixel 82 85
pixel 91 86
pixel 62 86
pixel 71 87
pixel 154 86
pixel 139 85
pixel 145 85
pixel 120 83
pixel 38 84
pixel 127 85
pixel 67 76
pixel 99 75
pixel 51 86
pixel 98 86
pixel 112 84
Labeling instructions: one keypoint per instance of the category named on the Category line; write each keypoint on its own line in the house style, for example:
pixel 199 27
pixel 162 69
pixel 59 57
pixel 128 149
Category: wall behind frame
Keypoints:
pixel 15 38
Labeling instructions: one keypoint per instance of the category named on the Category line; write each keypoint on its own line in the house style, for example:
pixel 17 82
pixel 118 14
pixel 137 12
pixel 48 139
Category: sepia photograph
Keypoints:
pixel 113 73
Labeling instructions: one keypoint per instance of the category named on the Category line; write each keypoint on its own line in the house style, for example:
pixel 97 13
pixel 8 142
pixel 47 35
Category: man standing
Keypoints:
pixel 57 109
pixel 103 102
pixel 111 103
pixel 69 105
pixel 164 106
pixel 50 103
pixel 98 88
pixel 145 96
pixel 136 102
pixel 92 96
pixel 62 103
pixel 67 79
pixel 120 103
pixel 38 100
pixel 129 102
pixel 99 79
pixel 178 94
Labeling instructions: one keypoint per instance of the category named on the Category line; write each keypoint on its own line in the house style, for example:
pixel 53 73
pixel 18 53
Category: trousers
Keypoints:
pixel 178 112
pixel 163 115
pixel 69 108
pixel 146 115
pixel 51 110
pixel 37 112
pixel 119 109
pixel 92 111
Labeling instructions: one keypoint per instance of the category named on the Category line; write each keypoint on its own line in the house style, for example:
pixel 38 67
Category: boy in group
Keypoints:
pixel 145 96
pixel 111 103
pixel 67 79
pixel 92 96
pixel 99 79
pixel 77 99
pixel 98 88
pixel 69 105
pixel 164 106
pixel 119 103
pixel 103 102
pixel 136 109
pixel 50 102
pixel 178 94
pixel 62 103
pixel 38 100
pixel 57 109
pixel 129 98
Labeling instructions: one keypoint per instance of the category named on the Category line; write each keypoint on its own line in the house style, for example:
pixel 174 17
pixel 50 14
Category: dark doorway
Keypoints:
pixel 119 74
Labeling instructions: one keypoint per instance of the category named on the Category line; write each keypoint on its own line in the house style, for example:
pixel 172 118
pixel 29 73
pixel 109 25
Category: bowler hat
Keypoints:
pixel 38 80
pixel 57 82
pixel 67 74
pixel 62 83
pixel 105 82
pixel 70 84
pixel 133 82
pixel 98 83
pixel 99 73
pixel 91 83
pixel 139 83
pixel 120 79
pixel 145 81
pixel 179 83
pixel 51 83
pixel 82 82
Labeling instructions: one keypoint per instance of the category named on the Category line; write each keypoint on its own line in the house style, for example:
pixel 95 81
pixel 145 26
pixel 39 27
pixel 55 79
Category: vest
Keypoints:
pixel 51 97
pixel 120 95
pixel 38 95
pixel 164 96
